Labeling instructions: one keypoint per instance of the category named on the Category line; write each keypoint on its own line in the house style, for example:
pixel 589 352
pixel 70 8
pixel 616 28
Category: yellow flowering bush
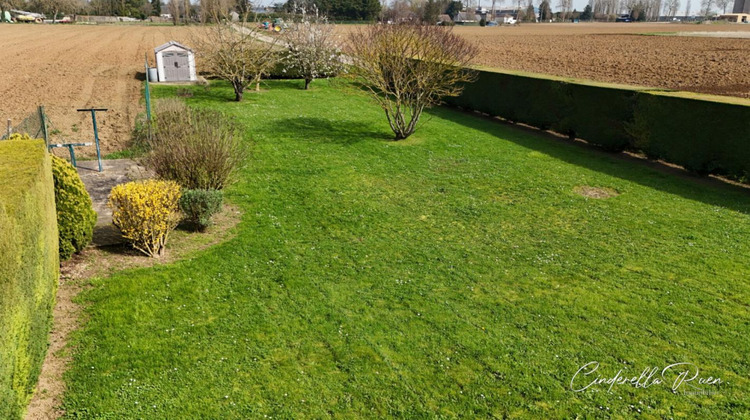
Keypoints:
pixel 146 212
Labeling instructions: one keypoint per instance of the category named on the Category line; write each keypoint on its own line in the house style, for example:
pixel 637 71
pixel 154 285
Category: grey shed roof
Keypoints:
pixel 169 44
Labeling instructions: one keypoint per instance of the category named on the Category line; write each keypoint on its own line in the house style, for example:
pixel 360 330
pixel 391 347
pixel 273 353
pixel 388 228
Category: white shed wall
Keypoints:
pixel 175 48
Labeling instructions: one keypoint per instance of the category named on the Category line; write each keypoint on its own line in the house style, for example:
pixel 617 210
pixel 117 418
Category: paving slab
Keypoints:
pixel 99 184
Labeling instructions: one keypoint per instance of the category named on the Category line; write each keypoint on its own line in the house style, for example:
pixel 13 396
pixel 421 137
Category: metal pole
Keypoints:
pixel 96 132
pixel 148 93
pixel 44 125
pixel 73 156
pixel 96 137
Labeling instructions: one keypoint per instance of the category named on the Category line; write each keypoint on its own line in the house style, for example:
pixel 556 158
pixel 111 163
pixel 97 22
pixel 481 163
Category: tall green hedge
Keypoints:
pixel 705 134
pixel 29 269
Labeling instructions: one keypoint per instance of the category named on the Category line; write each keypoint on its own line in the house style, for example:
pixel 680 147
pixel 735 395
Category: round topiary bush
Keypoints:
pixel 75 215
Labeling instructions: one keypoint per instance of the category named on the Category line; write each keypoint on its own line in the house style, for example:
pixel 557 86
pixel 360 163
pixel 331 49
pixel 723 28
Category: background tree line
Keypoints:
pixel 356 10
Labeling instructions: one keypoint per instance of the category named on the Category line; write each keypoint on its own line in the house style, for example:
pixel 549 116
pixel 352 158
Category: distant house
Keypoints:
pixel 506 12
pixel 736 17
pixel 442 19
pixel 466 18
pixel 507 19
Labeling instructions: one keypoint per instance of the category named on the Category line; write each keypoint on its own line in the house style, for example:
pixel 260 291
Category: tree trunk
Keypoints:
pixel 238 90
pixel 307 83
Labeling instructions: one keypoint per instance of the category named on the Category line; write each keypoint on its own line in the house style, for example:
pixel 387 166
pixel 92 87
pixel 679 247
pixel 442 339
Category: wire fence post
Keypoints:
pixel 44 125
pixel 148 92
pixel 148 101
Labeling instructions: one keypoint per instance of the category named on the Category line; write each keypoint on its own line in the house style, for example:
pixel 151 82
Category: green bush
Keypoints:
pixel 199 206
pixel 197 148
pixel 29 269
pixel 75 215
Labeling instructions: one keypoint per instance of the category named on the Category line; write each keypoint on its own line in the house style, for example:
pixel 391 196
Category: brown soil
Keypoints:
pixel 69 67
pixel 619 53
pixel 102 262
pixel 595 192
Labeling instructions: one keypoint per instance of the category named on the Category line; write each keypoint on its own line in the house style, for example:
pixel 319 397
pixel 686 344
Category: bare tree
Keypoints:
pixel 186 12
pixel 312 51
pixel 51 8
pixel 722 4
pixel 565 7
pixel 671 7
pixel 687 8
pixel 216 10
pixel 174 10
pixel 408 68
pixel 235 54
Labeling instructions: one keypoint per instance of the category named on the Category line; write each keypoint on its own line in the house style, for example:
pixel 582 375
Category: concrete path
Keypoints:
pixel 99 184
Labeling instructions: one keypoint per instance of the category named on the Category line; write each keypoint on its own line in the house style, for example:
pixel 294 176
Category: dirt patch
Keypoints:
pixel 102 262
pixel 595 192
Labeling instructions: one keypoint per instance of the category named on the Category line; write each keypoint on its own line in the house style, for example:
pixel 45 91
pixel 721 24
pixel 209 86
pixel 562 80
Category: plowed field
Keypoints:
pixel 616 53
pixel 69 67
pixel 626 53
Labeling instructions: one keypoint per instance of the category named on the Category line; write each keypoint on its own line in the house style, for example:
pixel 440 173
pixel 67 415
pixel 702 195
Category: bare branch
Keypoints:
pixel 409 68
pixel 236 55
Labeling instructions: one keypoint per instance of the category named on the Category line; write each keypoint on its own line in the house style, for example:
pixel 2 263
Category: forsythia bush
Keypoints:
pixel 146 212
pixel 19 136
pixel 75 215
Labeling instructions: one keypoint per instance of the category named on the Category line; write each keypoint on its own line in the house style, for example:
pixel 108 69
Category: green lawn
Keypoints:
pixel 455 274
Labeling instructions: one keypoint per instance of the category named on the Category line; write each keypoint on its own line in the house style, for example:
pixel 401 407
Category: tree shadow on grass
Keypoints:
pixel 656 175
pixel 322 130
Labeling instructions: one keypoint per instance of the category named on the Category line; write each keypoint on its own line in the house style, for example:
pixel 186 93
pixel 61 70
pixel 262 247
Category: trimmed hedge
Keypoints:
pixel 75 215
pixel 704 134
pixel 29 269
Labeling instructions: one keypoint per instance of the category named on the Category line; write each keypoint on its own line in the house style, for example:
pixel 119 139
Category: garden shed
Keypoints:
pixel 175 63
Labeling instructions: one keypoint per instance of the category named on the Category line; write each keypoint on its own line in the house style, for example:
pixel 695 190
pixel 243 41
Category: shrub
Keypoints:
pixel 20 136
pixel 146 212
pixel 75 215
pixel 410 67
pixel 197 148
pixel 199 206
pixel 29 269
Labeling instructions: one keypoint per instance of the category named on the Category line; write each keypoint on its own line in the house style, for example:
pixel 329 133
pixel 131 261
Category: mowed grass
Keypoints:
pixel 454 274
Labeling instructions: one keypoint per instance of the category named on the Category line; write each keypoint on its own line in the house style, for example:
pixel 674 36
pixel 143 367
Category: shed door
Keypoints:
pixel 176 66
